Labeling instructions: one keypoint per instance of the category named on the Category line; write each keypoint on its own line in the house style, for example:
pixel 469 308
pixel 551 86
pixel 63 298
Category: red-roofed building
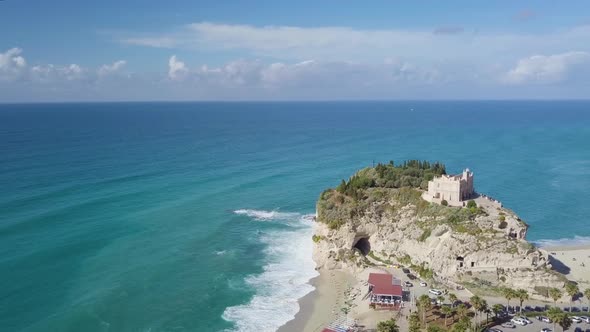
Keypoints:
pixel 385 285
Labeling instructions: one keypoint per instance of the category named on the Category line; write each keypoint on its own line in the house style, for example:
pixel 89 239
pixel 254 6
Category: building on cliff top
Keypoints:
pixel 455 189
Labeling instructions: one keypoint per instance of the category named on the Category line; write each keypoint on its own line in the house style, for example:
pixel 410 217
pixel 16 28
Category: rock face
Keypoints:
pixel 483 246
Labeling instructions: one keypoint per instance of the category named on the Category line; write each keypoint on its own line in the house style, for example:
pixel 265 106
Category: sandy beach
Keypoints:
pixel 324 304
pixel 335 290
pixel 573 262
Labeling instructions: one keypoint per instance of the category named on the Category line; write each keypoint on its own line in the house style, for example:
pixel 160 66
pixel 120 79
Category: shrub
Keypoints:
pixel 425 235
pixel 316 238
pixel 471 204
pixel 335 224
pixel 444 202
pixel 503 225
pixel 502 217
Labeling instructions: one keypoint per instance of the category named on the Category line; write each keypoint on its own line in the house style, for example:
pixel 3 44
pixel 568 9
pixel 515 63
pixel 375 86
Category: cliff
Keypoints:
pixel 483 246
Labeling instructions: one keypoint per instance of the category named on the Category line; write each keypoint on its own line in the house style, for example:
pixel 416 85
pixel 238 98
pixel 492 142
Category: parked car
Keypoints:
pixel 405 270
pixel 411 277
pixel 578 329
pixel 544 319
pixel 518 321
pixel 493 330
pixel 585 309
pixel 586 319
pixel 508 325
pixel 434 291
pixel 576 319
pixel 545 329
pixel 528 321
pixel 408 284
pixel 423 284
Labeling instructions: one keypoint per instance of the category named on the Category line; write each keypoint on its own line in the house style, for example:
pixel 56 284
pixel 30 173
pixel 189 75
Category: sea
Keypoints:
pixel 198 216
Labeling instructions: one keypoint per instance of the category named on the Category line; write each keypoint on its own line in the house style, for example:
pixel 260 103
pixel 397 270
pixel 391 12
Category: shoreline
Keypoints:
pixel 306 307
pixel 321 306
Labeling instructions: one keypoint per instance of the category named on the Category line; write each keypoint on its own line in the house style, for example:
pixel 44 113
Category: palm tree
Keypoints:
pixel 478 304
pixel 463 325
pixel 565 321
pixel 424 304
pixel 447 311
pixel 509 294
pixel 461 311
pixel 522 296
pixel 497 309
pixel 572 290
pixel 555 294
pixel 414 322
pixel 453 299
pixel 387 326
pixel 587 295
pixel 554 314
pixel 440 299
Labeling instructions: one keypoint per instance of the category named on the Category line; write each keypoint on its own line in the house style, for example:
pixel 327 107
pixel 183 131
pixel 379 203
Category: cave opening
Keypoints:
pixel 363 245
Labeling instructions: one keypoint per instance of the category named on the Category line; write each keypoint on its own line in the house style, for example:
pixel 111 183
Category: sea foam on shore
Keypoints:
pixel 576 241
pixel 289 267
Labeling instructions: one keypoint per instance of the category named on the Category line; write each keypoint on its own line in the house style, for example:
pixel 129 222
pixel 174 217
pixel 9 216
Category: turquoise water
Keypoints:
pixel 194 216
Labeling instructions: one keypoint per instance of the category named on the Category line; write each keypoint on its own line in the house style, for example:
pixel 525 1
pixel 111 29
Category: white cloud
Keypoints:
pixel 546 69
pixel 12 64
pixel 176 68
pixel 105 70
pixel 57 73
pixel 292 43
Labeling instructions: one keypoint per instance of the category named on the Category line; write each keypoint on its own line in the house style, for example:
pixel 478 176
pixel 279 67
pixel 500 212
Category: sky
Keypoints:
pixel 143 50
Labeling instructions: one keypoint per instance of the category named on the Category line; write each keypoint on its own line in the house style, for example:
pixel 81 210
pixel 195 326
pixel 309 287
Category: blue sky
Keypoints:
pixel 304 50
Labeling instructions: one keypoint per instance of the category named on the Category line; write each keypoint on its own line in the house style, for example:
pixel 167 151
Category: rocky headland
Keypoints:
pixel 379 217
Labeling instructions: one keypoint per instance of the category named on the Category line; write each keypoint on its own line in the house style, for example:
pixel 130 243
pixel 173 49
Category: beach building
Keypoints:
pixel 385 290
pixel 455 189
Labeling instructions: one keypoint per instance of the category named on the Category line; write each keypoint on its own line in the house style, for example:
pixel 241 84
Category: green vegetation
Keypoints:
pixel 316 238
pixel 471 204
pixel 425 235
pixel 412 173
pixel 391 187
pixel 503 225
pixel 387 326
pixel 384 261
pixel 423 271
pixel 479 305
pixel 571 289
pixel 522 295
pixel 444 202
pixel 405 260
pixel 414 322
pixel 555 294
pixel 335 224
pixel 502 218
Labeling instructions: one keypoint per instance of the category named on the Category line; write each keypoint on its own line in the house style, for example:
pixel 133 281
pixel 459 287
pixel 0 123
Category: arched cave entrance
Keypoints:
pixel 363 245
pixel 460 260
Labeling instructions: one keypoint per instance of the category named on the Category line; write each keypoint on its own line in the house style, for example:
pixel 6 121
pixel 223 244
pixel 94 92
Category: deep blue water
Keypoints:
pixel 190 216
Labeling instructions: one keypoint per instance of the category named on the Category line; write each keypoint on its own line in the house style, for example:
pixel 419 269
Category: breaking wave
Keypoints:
pixel 289 267
pixel 565 242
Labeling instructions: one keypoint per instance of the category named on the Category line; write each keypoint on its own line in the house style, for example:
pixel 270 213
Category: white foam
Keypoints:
pixel 262 215
pixel 565 242
pixel 285 278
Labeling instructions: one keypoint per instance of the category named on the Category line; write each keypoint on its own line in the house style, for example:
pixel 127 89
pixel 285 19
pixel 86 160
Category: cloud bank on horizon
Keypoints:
pixel 278 62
